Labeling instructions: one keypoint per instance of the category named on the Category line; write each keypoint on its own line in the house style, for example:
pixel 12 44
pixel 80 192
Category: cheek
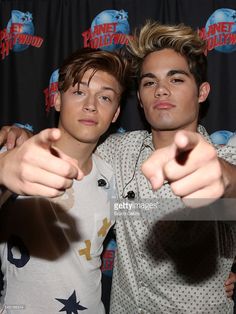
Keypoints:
pixel 69 113
pixel 145 100
pixel 147 105
pixel 66 111
pixel 187 101
pixel 107 111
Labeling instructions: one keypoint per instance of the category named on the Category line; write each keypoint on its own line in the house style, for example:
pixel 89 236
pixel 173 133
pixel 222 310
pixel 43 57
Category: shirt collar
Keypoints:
pixel 147 142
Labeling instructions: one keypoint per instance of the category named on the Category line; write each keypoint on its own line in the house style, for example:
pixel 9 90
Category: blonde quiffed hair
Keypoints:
pixel 154 36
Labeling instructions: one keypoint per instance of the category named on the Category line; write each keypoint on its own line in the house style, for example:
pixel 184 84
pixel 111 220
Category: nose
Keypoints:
pixel 90 105
pixel 161 90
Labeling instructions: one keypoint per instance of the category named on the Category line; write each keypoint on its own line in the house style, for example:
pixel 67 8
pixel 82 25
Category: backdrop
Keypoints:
pixel 35 36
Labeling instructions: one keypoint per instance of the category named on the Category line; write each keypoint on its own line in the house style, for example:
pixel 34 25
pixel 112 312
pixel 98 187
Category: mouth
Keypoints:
pixel 87 122
pixel 163 105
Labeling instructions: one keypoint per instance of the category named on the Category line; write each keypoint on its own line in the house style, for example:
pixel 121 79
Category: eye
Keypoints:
pixel 148 83
pixel 177 80
pixel 78 92
pixel 106 98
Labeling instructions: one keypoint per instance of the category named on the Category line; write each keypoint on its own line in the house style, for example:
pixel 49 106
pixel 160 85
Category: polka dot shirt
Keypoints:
pixel 157 270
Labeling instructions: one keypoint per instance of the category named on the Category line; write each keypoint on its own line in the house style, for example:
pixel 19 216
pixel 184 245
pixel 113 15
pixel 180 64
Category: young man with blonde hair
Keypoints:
pixel 168 266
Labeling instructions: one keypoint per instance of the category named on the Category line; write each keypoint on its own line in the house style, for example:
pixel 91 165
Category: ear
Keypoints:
pixel 139 99
pixel 204 90
pixel 57 101
pixel 116 114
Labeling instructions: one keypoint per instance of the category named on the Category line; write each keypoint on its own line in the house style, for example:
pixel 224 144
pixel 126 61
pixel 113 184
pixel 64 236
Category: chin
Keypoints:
pixel 170 126
pixel 88 140
pixel 84 138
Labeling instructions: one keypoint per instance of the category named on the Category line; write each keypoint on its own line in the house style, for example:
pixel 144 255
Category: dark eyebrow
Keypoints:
pixel 173 72
pixel 149 75
pixel 170 73
pixel 102 88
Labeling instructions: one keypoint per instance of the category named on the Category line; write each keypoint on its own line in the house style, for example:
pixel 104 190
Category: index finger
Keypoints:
pixel 46 158
pixel 46 137
pixel 186 140
pixel 154 167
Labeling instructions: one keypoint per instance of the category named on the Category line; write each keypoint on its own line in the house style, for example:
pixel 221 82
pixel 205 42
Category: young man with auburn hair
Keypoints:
pixel 50 248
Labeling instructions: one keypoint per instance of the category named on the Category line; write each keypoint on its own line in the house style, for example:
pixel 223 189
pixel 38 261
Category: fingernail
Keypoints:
pixel 154 182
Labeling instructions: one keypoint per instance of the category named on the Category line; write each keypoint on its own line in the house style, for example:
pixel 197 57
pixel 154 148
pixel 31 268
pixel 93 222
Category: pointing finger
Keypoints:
pixel 46 137
pixel 186 140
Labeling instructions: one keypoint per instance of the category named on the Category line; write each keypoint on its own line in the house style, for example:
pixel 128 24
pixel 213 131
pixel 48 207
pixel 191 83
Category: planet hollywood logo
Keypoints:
pixel 19 34
pixel 51 91
pixel 108 258
pixel 109 30
pixel 220 31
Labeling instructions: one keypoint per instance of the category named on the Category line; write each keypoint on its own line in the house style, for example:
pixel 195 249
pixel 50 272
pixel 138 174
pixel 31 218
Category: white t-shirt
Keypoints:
pixel 50 248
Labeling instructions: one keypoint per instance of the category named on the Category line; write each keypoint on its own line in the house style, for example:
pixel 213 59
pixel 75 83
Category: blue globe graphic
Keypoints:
pixel 232 140
pixel 121 130
pixel 223 15
pixel 113 16
pixel 26 27
pixel 54 77
pixel 221 137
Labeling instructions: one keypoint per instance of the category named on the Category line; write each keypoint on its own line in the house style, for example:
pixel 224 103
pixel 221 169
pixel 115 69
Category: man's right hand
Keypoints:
pixel 11 136
pixel 38 168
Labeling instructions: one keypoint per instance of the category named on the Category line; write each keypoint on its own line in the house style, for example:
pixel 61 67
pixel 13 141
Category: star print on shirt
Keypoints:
pixel 104 229
pixel 71 305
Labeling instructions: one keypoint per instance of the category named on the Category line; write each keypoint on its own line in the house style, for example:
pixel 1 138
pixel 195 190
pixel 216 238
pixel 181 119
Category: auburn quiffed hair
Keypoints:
pixel 86 59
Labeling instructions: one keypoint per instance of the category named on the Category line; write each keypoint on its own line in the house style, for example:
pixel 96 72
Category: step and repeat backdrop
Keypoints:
pixel 36 35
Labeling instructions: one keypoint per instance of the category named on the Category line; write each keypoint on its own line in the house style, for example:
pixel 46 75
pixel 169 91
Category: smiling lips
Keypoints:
pixel 161 105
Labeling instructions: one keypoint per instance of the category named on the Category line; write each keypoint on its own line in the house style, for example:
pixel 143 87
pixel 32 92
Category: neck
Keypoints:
pixel 82 152
pixel 163 138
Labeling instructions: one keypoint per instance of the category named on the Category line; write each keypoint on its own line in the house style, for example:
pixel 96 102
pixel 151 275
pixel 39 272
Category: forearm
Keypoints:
pixel 229 178
pixel 2 166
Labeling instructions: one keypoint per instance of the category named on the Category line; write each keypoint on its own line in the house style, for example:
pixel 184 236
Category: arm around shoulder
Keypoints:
pixel 229 178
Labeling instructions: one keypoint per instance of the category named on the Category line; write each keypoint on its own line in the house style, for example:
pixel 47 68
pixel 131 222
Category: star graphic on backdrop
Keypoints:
pixel 71 305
